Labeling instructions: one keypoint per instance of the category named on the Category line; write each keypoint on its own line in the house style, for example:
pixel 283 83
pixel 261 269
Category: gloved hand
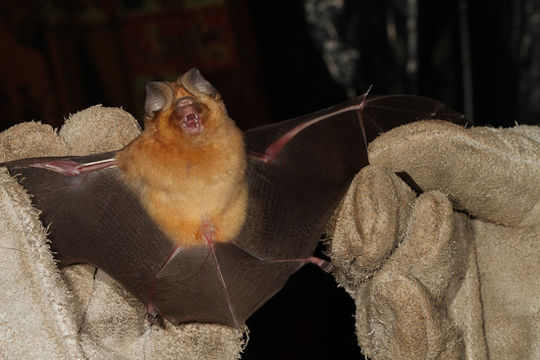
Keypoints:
pixel 430 282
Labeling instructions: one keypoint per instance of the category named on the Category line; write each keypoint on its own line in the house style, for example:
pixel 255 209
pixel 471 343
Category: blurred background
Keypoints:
pixel 272 61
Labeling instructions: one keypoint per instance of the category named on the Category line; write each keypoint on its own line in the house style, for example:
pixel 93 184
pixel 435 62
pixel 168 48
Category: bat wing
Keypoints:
pixel 297 172
pixel 93 218
pixel 300 168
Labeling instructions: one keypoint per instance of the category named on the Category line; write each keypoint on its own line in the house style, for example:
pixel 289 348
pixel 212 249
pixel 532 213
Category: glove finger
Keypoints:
pixel 430 251
pixel 98 129
pixel 369 224
pixel 492 173
pixel 400 310
pixel 30 139
pixel 404 322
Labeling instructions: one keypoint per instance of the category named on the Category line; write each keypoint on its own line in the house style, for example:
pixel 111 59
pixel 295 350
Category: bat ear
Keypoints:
pixel 159 96
pixel 195 83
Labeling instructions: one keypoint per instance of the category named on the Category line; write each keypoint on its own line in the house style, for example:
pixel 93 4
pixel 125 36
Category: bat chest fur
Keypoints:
pixel 187 190
pixel 186 217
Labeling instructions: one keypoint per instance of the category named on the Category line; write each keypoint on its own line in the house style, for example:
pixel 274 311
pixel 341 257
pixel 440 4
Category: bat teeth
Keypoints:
pixel 192 124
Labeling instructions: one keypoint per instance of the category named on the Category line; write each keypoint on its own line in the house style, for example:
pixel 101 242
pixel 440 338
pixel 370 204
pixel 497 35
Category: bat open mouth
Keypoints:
pixel 189 112
pixel 191 123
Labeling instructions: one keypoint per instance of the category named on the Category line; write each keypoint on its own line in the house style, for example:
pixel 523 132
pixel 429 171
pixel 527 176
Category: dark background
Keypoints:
pixel 266 59
pixel 60 56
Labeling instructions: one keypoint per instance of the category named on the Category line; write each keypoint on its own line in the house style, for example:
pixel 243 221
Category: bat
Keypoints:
pixel 199 221
pixel 188 166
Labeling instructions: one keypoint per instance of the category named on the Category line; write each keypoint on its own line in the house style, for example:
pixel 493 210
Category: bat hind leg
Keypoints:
pixel 151 313
pixel 208 232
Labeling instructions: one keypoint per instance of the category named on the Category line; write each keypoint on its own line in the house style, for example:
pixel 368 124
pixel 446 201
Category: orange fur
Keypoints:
pixel 186 181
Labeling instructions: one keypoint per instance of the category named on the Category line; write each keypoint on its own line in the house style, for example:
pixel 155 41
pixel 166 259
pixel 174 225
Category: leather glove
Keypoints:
pixel 433 282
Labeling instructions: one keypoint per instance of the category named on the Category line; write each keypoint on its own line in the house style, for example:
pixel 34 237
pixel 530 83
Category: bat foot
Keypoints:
pixel 154 319
pixel 326 266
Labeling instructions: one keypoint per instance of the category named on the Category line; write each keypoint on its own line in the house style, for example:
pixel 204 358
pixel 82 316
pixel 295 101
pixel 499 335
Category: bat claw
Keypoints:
pixel 151 315
pixel 326 266
pixel 153 319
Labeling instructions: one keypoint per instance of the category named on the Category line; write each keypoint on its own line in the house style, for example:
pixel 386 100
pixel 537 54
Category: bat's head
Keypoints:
pixel 189 109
